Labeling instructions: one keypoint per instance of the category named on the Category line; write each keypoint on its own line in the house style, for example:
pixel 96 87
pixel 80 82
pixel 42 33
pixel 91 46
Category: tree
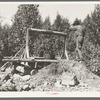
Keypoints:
pixel 47 23
pixel 91 47
pixel 6 40
pixel 60 24
pixel 27 16
pixel 57 42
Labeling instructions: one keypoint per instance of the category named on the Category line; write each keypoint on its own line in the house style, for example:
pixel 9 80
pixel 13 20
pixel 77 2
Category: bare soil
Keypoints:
pixel 74 75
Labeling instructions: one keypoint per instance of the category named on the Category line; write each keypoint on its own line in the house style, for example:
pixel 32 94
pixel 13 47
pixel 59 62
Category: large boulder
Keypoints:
pixel 20 69
pixel 17 77
pixel 69 79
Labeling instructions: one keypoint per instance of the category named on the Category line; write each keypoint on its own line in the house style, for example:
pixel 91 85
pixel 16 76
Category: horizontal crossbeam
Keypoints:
pixel 47 32
pixel 30 60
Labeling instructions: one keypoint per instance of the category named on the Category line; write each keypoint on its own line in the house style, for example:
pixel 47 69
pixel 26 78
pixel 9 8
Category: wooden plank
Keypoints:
pixel 65 51
pixel 64 47
pixel 27 42
pixel 35 64
pixel 30 60
pixel 66 54
pixel 47 31
pixel 17 60
pixel 46 60
pixel 22 58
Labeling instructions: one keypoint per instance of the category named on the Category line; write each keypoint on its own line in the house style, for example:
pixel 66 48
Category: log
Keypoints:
pixel 30 60
pixel 47 31
pixel 46 60
pixel 27 44
pixel 17 60
pixel 19 57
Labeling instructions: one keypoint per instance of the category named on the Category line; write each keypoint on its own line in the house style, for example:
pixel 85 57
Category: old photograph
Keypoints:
pixel 50 47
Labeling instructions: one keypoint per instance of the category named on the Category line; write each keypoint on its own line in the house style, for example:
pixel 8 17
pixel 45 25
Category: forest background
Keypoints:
pixel 12 38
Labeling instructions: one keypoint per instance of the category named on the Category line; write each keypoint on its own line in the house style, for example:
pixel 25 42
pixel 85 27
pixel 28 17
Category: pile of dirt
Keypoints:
pixel 63 76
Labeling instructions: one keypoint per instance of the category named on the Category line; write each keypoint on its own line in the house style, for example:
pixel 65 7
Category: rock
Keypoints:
pixel 31 90
pixel 25 78
pixel 69 79
pixel 9 81
pixel 2 76
pixel 8 86
pixel 26 87
pixel 32 86
pixel 46 83
pixel 20 69
pixel 9 69
pixel 16 77
pixel 2 69
pixel 19 88
pixel 58 83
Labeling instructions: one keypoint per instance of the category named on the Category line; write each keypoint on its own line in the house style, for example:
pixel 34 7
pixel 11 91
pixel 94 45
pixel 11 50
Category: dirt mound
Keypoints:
pixel 63 76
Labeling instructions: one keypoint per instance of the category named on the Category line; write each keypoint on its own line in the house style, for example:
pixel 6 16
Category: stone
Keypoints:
pixel 32 86
pixel 20 69
pixel 16 76
pixel 31 90
pixel 19 88
pixel 46 83
pixel 8 86
pixel 26 87
pixel 69 79
pixel 25 78
pixel 58 83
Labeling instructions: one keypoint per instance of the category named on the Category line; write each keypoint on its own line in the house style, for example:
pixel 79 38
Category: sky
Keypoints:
pixel 67 10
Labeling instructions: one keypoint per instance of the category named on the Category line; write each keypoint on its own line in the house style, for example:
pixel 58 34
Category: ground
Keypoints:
pixel 61 77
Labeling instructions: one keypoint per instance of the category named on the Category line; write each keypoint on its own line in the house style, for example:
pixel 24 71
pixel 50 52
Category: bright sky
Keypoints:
pixel 67 10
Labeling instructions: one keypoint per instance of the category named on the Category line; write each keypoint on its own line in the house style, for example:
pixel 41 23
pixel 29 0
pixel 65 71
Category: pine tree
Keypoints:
pixel 47 23
pixel 27 16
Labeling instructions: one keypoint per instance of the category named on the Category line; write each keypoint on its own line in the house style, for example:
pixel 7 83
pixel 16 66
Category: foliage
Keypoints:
pixel 91 48
pixel 62 25
pixel 26 17
pixel 51 44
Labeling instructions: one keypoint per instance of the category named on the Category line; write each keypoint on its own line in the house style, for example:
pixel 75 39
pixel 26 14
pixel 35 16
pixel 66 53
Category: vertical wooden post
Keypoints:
pixel 65 54
pixel 35 65
pixel 27 44
pixel 26 53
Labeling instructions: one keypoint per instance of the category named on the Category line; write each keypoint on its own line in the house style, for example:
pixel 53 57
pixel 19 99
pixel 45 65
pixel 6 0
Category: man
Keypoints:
pixel 79 38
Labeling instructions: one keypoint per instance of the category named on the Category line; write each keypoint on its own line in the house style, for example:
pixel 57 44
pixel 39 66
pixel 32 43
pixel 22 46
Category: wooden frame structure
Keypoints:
pixel 25 58
pixel 39 31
